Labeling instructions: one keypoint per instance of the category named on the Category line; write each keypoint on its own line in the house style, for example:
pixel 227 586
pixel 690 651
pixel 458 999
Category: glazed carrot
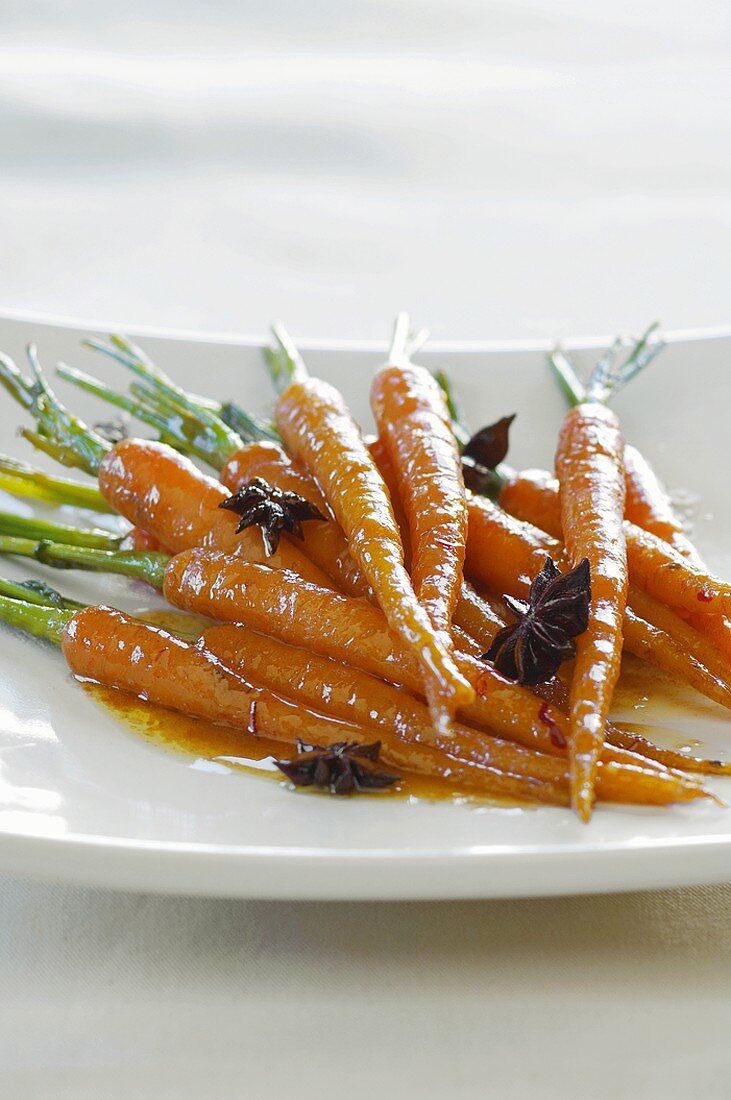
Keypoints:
pixel 159 490
pixel 327 546
pixel 633 741
pixel 148 483
pixel 325 542
pixel 352 696
pixel 504 550
pixel 665 574
pixel 317 429
pixel 648 504
pixel 283 604
pixel 654 565
pixel 590 468
pixel 649 507
pixel 532 495
pixel 695 658
pixel 415 427
pixel 109 647
pixel 137 539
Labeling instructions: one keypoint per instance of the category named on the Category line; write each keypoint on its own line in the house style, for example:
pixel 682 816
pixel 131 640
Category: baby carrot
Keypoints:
pixel 353 696
pixel 106 646
pixel 164 493
pixel 415 427
pixel 344 629
pixel 654 565
pixel 590 468
pixel 694 657
pixel 324 542
pixel 503 552
pixel 665 574
pixel 146 482
pixel 317 429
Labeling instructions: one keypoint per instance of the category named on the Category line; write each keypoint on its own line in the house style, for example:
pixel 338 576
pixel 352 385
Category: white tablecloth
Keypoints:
pixel 501 170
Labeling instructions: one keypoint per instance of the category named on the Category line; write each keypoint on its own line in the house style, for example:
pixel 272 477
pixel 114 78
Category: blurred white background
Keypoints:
pixel 502 168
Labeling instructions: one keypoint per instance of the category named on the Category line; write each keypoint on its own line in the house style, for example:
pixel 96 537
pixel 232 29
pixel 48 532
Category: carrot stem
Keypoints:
pixel 32 528
pixel 22 480
pixel 40 621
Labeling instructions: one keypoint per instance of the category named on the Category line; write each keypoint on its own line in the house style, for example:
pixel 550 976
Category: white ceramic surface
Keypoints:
pixel 81 798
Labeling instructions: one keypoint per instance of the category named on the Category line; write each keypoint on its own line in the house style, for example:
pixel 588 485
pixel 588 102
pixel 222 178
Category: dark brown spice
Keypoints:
pixel 532 649
pixel 341 768
pixel 273 510
pixel 482 453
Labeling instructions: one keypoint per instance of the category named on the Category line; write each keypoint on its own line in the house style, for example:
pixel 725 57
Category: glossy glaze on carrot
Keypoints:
pixel 350 695
pixel 590 469
pixel 318 429
pixel 414 424
pixel 158 490
pixel 324 542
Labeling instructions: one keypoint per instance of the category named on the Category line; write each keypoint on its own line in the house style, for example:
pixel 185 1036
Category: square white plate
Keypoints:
pixel 83 799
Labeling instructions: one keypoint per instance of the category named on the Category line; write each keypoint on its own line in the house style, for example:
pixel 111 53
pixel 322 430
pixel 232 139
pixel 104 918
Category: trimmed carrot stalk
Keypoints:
pixel 21 480
pixel 353 696
pixel 318 430
pixel 414 424
pixel 324 542
pixel 590 468
pixel 166 495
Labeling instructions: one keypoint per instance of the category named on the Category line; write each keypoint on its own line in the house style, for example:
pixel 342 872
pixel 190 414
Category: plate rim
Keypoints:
pixel 313 343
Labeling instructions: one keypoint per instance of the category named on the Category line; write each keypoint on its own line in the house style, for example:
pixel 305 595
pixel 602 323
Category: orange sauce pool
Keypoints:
pixel 199 739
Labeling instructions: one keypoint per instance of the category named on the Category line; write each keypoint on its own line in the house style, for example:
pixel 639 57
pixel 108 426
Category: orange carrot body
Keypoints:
pixel 165 494
pixel 324 542
pixel 649 507
pixel 589 464
pixel 414 425
pixel 106 646
pixel 319 431
pixel 352 696
pixel 503 553
pixel 351 631
pixel 137 539
pixel 681 581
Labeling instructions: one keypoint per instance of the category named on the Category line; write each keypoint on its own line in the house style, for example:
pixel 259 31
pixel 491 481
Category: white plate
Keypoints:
pixel 83 799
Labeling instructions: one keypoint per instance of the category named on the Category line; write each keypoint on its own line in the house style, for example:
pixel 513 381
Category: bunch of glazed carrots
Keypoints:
pixel 367 608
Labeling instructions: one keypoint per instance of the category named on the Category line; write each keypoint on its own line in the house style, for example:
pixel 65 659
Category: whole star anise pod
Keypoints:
pixel 532 649
pixel 273 510
pixel 483 452
pixel 341 768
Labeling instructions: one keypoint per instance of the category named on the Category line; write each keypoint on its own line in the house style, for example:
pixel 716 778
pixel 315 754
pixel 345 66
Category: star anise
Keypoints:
pixel 532 649
pixel 341 768
pixel 483 452
pixel 273 510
